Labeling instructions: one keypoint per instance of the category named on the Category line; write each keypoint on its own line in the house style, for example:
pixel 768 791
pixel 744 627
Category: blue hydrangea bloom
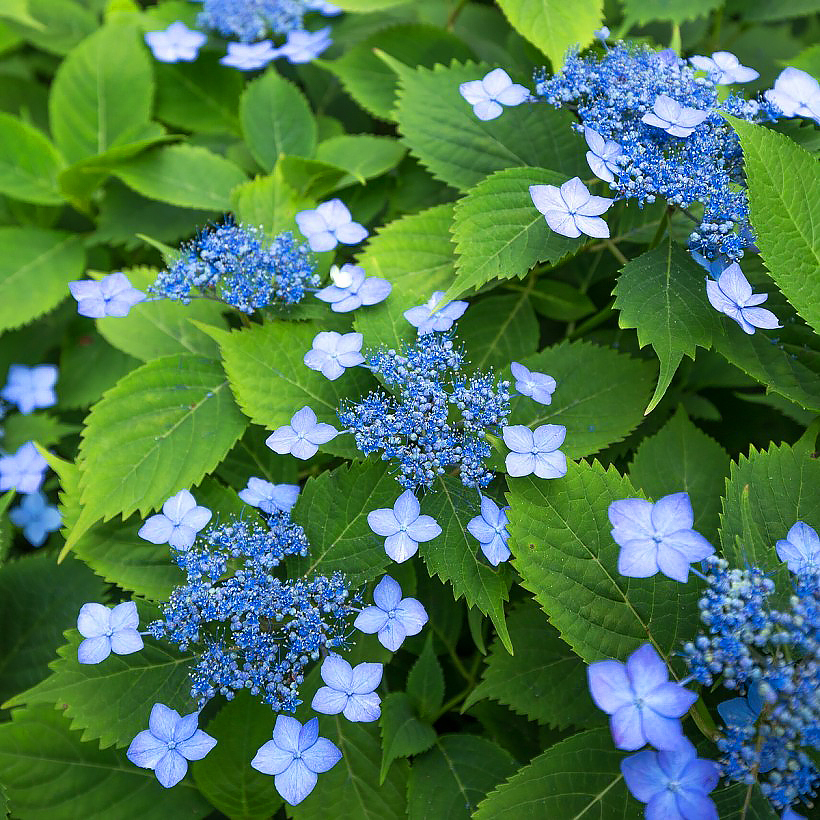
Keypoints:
pixel 489 95
pixel 536 451
pixel 302 437
pixel 178 523
pixel 676 119
pixel 270 497
pixel 36 518
pixel 295 757
pixel 490 530
pixel 427 319
pixel 800 549
pixel 30 387
pixel 108 630
pixel 24 471
pixel 349 690
pixel 724 68
pixel 796 93
pixel 644 706
pixel 332 352
pixel 249 56
pixel 404 527
pixel 732 295
pixel 538 386
pixel 392 617
pixel 176 43
pixel 113 295
pixel 351 289
pixel 304 46
pixel 571 210
pixel 250 20
pixel 323 7
pixel 603 155
pixel 168 743
pixel 329 224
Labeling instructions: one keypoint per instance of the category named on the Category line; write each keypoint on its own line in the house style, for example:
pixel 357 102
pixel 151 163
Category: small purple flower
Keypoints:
pixel 427 319
pixel 393 617
pixel 488 96
pixel 351 289
pixel 113 295
pixel 404 527
pixel 24 470
pixel 178 523
pixel 535 451
pixel 302 436
pixel 328 224
pixel 644 707
pixel 602 156
pixel 732 295
pixel 304 46
pixel 295 757
pixel 175 43
pixel 490 530
pixel 571 210
pixel 108 630
pixel 349 690
pixel 724 68
pixel 332 352
pixel 673 784
pixel 30 387
pixel 169 743
pixel 796 93
pixel 676 119
pixel 602 34
pixel 800 549
pixel 714 267
pixel 36 518
pixel 249 56
pixel 657 537
pixel 269 497
pixel 538 386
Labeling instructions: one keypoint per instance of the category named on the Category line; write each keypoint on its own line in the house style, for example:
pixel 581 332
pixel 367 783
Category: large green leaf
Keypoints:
pixel 363 156
pixel 29 163
pixel 403 734
pixel 425 682
pixel 676 11
pixel 268 201
pixel 43 428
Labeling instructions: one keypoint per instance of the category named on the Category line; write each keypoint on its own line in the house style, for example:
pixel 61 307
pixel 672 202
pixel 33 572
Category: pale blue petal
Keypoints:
pixel 171 768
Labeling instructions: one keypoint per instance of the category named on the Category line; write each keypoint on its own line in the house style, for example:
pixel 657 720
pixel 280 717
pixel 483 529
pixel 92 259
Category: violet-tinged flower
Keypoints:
pixel 602 34
pixel 302 436
pixel 328 224
pixel 796 93
pixel 175 43
pixel 332 352
pixel 349 690
pixel 538 386
pixel 800 549
pixel 24 470
pixel 571 210
pixel 602 156
pixel 295 757
pixel 351 289
pixel 404 527
pixel 714 267
pixel 535 451
pixel 249 56
pixel 673 784
pixel 30 387
pixel 269 497
pixel 304 46
pixel 168 743
pixel 644 707
pixel 490 530
pixel 724 68
pixel 108 630
pixel 488 96
pixel 178 523
pixel 393 617
pixel 427 319
pixel 676 119
pixel 36 518
pixel 732 295
pixel 113 295
pixel 657 537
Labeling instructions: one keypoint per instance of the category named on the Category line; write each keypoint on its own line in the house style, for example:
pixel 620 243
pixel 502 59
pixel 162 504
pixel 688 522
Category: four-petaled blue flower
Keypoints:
pixel 732 295
pixel 24 470
pixel 302 437
pixel 349 690
pixel 676 119
pixel 490 529
pixel 538 386
pixel 571 210
pixel 536 451
pixel 796 93
pixel 30 387
pixel 178 523
pixel 404 527
pixel 657 537
pixel 673 784
pixel 328 224
pixel 724 68
pixel 643 705
pixel 113 295
pixel 295 757
pixel 249 56
pixel 800 549
pixel 175 43
pixel 108 630
pixel 427 319
pixel 270 497
pixel 332 352
pixel 603 155
pixel 36 518
pixel 351 289
pixel 169 743
pixel 304 46
pixel 488 96
pixel 392 617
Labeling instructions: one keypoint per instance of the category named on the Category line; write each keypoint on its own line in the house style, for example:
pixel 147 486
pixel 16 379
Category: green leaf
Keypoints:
pixel 560 301
pixel 600 395
pixel 455 556
pixel 368 5
pixel 276 119
pixel 785 216
pixel 680 457
pixel 363 156
pixel 46 430
pixel 49 258
pixel 403 734
pixel 29 163
pixel 553 25
pixel 309 177
pixel 425 682
pixel 662 294
pixel 183 175
pixel 55 26
pixel 580 777
pixel 270 202
pixel 454 776
pixel 560 537
pixel 731 804
pixel 51 774
pixel 525 682
pixel 675 11
pixel 459 149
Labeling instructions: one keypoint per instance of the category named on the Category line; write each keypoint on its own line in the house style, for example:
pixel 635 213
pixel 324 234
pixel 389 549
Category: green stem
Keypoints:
pixel 662 226
pixel 451 20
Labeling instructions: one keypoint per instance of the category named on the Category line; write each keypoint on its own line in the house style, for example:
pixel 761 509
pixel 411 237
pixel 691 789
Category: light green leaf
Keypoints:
pixel 425 682
pixel 675 11
pixel 43 428
pixel 363 155
pixel 268 201
pixel 29 163
pixel 309 177
pixel 55 26
pixel 403 734
pixel 367 5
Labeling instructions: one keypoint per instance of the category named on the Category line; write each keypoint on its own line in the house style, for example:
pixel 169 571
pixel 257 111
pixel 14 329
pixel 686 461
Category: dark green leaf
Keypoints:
pixel 425 683
pixel 403 734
